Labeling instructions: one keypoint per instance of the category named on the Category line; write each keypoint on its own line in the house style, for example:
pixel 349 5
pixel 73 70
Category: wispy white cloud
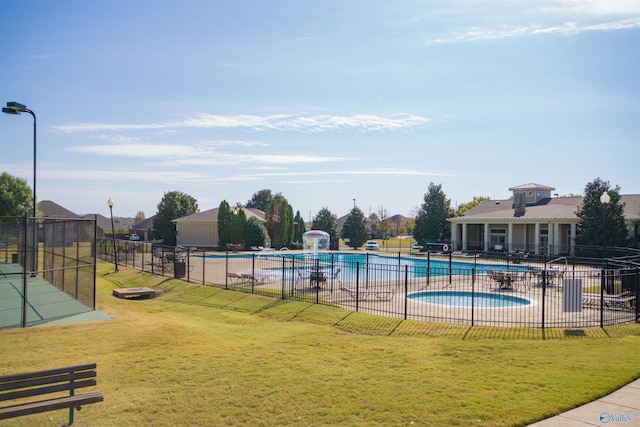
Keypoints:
pixel 276 122
pixel 598 8
pixel 320 173
pixel 129 175
pixel 198 155
pixel 533 30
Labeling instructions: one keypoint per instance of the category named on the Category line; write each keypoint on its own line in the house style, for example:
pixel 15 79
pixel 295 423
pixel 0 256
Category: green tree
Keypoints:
pixel 431 224
pixel 225 220
pixel 16 197
pixel 298 228
pixel 327 222
pixel 238 224
pixel 256 234
pixel 356 228
pixel 260 200
pixel 174 204
pixel 590 228
pixel 279 221
pixel 466 206
pixel 383 227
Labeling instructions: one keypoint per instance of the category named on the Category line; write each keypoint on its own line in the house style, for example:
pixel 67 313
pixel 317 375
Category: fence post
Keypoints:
pixel 637 294
pixel 284 278
pixel 473 295
pixel 544 289
pixel 603 280
pixel 406 290
pixel 253 272
pixel 204 253
pixel 226 270
pixel 24 274
pixel 358 283
pixel 428 267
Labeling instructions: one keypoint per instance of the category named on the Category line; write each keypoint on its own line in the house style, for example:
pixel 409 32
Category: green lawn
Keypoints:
pixel 204 356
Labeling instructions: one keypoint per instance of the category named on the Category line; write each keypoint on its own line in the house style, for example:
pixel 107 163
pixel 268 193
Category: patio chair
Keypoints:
pixel 622 301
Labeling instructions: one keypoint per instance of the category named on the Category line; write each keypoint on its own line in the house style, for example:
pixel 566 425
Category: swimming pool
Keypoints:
pixel 468 299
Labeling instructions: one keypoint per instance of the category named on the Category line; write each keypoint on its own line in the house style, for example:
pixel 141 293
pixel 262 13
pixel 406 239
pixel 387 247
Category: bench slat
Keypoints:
pixel 50 405
pixel 46 372
pixel 33 382
pixel 28 392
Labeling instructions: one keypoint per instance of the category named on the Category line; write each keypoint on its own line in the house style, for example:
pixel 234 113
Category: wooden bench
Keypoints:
pixel 21 387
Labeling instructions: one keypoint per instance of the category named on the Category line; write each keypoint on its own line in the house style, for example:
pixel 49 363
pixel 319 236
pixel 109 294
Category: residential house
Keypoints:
pixel 201 229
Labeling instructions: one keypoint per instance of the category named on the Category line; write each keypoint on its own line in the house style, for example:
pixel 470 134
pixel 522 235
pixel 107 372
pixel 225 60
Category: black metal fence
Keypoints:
pixel 47 269
pixel 504 290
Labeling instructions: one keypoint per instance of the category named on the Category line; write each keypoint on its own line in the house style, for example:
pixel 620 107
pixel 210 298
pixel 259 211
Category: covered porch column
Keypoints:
pixel 454 236
pixel 537 241
pixel 572 242
pixel 486 237
pixel 464 236
pixel 509 236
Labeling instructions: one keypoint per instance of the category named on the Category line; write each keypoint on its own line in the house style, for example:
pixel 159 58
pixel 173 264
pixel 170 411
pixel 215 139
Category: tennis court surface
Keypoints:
pixel 44 304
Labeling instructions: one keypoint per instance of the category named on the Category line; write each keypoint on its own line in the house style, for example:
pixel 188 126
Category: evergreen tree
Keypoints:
pixel 356 228
pixel 279 221
pixel 256 234
pixel 431 224
pixel 239 224
pixel 298 228
pixel 225 219
pixel 590 229
pixel 327 222
pixel 174 204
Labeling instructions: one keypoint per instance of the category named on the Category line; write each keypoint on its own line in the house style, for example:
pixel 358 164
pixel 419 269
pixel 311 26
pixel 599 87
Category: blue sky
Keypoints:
pixel 322 101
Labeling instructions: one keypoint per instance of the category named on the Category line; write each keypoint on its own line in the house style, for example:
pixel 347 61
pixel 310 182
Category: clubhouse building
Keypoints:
pixel 532 221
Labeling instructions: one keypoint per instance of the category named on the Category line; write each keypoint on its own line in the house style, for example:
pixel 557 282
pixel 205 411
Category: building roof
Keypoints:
pixel 53 210
pixel 564 208
pixel 531 186
pixel 211 215
pixel 145 224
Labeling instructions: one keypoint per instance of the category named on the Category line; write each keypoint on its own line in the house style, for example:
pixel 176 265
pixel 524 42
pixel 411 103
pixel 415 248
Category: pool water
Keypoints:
pixel 467 299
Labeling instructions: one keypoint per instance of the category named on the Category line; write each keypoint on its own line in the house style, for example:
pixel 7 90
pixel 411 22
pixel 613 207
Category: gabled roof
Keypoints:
pixel 145 224
pixel 564 208
pixel 54 210
pixel 211 215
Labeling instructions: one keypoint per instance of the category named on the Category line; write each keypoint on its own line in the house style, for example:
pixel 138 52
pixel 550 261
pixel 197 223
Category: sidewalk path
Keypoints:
pixel 620 408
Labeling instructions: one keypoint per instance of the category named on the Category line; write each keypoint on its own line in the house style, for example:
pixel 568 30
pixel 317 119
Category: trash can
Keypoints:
pixel 179 269
pixel 14 258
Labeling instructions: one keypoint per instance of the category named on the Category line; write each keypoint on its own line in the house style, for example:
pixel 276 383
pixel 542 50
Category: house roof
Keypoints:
pixel 53 210
pixel 564 208
pixel 145 224
pixel 211 215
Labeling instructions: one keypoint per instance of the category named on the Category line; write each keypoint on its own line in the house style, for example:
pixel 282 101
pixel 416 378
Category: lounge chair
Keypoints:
pixel 234 278
pixel 362 294
pixel 255 279
pixel 623 301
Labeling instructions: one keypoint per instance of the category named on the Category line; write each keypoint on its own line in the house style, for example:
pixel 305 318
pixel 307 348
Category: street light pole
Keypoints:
pixel 16 108
pixel 113 233
pixel 604 200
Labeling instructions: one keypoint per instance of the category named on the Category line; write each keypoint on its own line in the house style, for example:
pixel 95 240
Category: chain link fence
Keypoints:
pixel 47 269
